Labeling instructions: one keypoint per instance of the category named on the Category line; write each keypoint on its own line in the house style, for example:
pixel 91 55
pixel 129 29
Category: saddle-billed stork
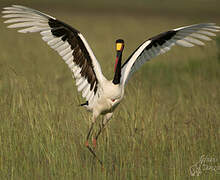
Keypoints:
pixel 102 96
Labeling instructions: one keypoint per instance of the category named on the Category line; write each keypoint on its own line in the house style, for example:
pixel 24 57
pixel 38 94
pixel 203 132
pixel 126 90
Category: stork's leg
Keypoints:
pixel 105 120
pixel 89 133
pixel 94 155
pixel 90 129
pixel 87 138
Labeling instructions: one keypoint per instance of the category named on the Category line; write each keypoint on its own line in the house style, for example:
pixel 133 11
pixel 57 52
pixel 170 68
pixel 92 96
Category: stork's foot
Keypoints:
pixel 94 142
pixel 87 143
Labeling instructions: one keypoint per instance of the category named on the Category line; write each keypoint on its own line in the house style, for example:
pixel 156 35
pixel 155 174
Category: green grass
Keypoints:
pixel 168 119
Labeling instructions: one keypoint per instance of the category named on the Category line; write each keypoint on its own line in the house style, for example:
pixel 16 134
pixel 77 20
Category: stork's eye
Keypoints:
pixel 113 100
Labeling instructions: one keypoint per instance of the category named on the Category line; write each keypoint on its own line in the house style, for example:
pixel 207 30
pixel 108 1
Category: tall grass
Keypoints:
pixel 167 120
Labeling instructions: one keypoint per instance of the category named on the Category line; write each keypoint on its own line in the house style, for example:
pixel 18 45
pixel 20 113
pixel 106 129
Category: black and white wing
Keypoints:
pixel 66 40
pixel 187 36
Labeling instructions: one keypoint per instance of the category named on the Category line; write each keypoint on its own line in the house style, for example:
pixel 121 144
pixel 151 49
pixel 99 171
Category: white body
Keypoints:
pixel 108 97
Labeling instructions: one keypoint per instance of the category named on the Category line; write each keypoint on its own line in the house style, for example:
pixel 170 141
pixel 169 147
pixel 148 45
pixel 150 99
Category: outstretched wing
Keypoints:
pixel 66 40
pixel 187 36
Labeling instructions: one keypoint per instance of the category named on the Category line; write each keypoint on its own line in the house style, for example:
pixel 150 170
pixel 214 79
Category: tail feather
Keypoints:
pixel 83 104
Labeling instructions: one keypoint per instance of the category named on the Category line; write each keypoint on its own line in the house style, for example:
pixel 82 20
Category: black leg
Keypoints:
pixel 94 155
pixel 88 147
pixel 102 126
pixel 90 130
pixel 100 130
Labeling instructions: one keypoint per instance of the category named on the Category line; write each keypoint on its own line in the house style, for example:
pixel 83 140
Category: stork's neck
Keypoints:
pixel 119 49
pixel 117 75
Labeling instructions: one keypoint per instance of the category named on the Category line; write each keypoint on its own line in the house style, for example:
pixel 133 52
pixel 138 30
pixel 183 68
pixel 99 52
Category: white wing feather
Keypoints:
pixel 31 20
pixel 186 36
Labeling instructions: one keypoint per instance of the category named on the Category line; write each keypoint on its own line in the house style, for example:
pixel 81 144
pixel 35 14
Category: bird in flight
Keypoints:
pixel 102 95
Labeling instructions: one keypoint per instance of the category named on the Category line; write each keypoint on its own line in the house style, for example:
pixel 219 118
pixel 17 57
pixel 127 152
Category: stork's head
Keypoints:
pixel 117 69
pixel 119 50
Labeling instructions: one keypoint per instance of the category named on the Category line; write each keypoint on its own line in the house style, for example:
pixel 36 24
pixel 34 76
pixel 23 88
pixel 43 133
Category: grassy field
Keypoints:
pixel 168 119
